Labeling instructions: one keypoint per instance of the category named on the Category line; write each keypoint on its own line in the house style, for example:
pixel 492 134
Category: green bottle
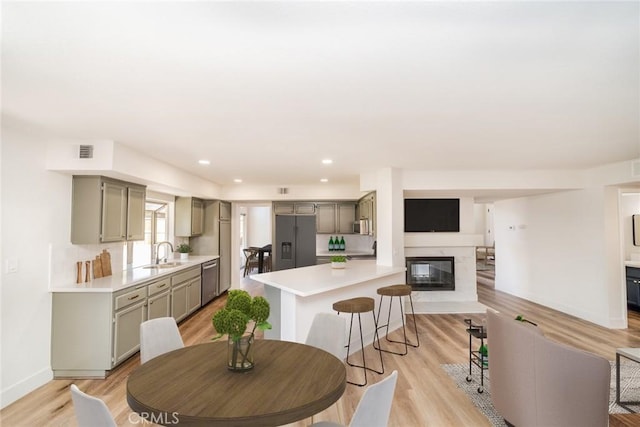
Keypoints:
pixel 331 245
pixel 342 244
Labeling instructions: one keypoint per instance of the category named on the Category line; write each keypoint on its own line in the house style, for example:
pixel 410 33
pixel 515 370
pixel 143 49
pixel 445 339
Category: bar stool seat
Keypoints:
pixel 356 306
pixel 397 291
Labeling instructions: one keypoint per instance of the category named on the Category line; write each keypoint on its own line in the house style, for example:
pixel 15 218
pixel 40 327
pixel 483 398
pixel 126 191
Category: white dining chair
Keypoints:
pixel 90 411
pixel 374 407
pixel 158 336
pixel 328 332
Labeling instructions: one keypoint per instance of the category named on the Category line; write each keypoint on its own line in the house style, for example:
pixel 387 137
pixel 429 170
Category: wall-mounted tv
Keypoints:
pixel 431 215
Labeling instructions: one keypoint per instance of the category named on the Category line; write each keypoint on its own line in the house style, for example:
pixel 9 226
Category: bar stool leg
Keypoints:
pixel 404 330
pixel 364 366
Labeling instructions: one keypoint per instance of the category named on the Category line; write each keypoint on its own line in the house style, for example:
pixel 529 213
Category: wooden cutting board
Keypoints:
pixel 97 267
pixel 105 259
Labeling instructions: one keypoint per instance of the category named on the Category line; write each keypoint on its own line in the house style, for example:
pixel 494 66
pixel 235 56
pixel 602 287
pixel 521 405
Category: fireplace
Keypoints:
pixel 431 273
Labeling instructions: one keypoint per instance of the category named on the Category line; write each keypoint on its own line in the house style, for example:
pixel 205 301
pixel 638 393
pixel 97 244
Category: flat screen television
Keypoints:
pixel 431 215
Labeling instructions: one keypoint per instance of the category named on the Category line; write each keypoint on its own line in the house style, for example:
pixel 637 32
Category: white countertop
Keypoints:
pixel 317 279
pixel 344 253
pixel 124 279
pixel 632 264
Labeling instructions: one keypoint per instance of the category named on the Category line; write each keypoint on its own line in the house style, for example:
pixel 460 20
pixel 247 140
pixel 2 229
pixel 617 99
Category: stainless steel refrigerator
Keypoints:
pixel 295 244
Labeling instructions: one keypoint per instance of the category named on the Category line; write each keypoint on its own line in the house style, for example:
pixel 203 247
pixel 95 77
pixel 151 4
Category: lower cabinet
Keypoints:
pixel 126 331
pixel 159 305
pixel 633 288
pixel 185 293
pixel 92 332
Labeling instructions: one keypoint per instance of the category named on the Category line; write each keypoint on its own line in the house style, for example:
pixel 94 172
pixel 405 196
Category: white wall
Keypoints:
pixel 554 250
pixel 36 211
pixel 258 225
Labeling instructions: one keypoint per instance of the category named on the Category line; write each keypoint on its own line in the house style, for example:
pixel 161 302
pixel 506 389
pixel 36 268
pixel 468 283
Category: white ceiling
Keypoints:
pixel 266 90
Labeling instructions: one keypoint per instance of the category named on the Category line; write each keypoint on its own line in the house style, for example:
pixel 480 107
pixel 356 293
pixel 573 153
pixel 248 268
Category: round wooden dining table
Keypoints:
pixel 192 385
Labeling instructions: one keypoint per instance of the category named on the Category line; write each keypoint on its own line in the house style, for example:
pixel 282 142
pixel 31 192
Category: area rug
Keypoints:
pixel 629 388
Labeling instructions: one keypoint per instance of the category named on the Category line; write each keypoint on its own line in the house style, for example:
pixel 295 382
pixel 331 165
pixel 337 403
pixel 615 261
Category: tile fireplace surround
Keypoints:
pixel 465 274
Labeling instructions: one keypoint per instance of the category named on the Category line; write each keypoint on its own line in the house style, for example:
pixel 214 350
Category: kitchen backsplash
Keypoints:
pixel 62 260
pixel 353 242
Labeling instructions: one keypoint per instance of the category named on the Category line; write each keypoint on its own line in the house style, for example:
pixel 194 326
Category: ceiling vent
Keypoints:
pixel 86 152
pixel 283 190
pixel 635 168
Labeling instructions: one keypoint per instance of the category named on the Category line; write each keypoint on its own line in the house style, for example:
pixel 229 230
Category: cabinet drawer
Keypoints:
pixel 130 297
pixel 184 276
pixel 159 286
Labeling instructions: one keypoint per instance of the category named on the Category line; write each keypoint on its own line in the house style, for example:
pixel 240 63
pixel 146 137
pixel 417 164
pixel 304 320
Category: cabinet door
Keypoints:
pixel 179 301
pixel 346 217
pixel 135 213
pixel 126 331
pixel 633 291
pixel 283 208
pixel 159 306
pixel 326 218
pixel 197 217
pixel 364 209
pixel 305 208
pixel 225 211
pixel 194 295
pixel 114 212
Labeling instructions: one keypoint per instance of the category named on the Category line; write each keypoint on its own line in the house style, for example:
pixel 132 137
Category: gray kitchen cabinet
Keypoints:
pixel 126 331
pixel 194 295
pixel 633 288
pixel 326 218
pixel 294 208
pixel 189 219
pixel 184 286
pixel 159 305
pixel 106 210
pixel 335 217
pixel 346 216
pixel 130 310
pixel 136 204
pixel 92 332
pixel 179 301
pixel 366 209
pixel 159 300
pixel 225 211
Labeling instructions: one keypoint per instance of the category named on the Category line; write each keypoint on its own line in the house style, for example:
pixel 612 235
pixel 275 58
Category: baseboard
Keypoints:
pixel 24 387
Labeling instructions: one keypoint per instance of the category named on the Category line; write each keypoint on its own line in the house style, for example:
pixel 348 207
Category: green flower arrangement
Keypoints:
pixel 241 309
pixel 338 258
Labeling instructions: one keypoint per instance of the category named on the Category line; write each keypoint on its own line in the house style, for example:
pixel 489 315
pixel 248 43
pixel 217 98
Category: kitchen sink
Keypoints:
pixel 164 265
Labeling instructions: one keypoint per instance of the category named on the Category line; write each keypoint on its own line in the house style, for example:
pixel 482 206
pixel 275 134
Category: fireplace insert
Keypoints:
pixel 431 273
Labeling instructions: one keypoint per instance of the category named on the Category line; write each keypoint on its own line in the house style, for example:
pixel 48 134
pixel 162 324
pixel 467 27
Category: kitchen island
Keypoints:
pixel 296 295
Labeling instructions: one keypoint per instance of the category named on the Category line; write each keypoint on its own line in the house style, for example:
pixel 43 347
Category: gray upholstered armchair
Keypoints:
pixel 539 382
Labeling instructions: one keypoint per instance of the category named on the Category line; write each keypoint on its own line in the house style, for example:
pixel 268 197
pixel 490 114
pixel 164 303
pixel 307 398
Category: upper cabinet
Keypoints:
pixel 106 210
pixel 366 209
pixel 294 208
pixel 189 217
pixel 335 217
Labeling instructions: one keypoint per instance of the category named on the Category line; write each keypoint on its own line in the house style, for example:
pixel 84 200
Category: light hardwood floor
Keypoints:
pixel 425 395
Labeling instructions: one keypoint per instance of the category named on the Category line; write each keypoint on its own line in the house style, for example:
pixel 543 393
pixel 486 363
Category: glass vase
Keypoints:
pixel 240 353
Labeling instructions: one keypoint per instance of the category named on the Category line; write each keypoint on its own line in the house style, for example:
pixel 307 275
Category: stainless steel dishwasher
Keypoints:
pixel 209 281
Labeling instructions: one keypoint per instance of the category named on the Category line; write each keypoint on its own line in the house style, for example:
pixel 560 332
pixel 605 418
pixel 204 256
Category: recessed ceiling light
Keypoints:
pixel 327 161
pixel 238 180
pixel 324 180
pixel 204 162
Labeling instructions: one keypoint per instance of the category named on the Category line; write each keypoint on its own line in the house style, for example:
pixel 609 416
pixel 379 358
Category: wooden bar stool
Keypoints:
pixel 357 306
pixel 397 291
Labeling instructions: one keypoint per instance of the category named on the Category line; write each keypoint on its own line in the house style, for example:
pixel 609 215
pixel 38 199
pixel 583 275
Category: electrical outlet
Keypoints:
pixel 11 265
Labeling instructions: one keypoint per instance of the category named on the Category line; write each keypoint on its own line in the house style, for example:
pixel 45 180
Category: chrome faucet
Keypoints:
pixel 166 255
